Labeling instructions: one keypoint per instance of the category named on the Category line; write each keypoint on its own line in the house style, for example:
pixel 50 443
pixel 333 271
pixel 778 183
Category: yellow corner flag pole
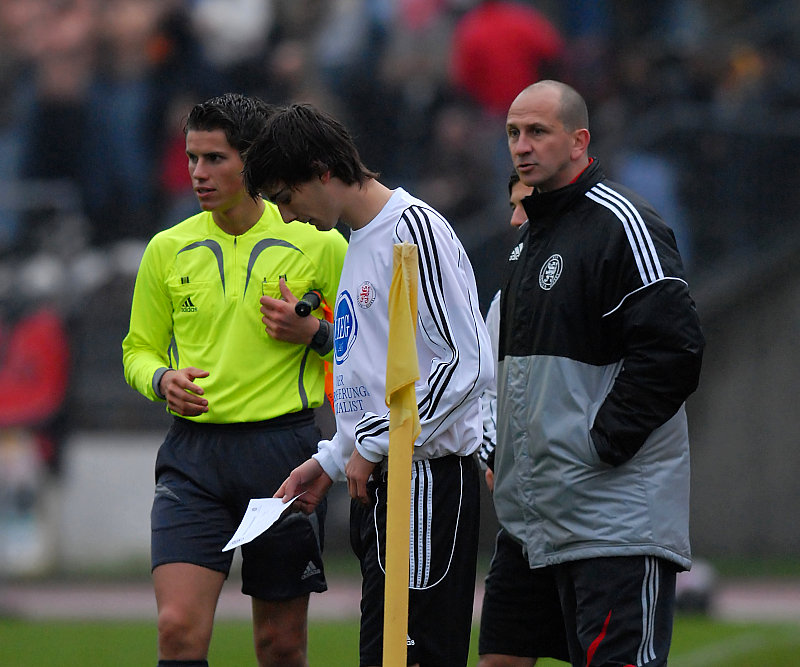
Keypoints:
pixel 402 370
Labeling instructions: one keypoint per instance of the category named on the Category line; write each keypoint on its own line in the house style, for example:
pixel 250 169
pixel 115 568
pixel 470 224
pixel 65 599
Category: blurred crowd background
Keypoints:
pixel 694 103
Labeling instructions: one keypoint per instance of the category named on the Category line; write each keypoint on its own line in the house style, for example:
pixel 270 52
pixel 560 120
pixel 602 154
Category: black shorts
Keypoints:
pixel 618 610
pixel 445 497
pixel 521 612
pixel 206 475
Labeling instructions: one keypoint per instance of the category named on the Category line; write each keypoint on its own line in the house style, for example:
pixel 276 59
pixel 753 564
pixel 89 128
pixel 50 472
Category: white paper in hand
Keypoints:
pixel 260 515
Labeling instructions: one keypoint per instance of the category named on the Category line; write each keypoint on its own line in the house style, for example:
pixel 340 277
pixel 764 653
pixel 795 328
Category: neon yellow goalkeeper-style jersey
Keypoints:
pixel 196 303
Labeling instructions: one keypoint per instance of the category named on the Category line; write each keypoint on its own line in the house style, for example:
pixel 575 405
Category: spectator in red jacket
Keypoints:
pixel 499 48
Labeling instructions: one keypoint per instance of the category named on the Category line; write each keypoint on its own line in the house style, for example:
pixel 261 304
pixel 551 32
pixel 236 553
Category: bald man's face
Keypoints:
pixel 545 155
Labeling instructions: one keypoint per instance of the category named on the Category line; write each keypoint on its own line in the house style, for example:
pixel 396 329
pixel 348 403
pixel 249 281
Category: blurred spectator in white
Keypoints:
pixel 233 35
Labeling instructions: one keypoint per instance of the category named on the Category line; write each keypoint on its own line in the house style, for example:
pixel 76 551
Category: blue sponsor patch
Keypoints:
pixel 345 327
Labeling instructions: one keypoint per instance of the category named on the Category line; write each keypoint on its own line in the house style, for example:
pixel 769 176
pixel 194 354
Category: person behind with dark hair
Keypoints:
pixel 242 399
pixel 600 345
pixel 308 165
pixel 519 619
pixel 517 191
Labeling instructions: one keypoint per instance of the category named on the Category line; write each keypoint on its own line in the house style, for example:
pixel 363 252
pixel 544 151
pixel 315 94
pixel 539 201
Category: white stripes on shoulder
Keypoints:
pixel 641 242
pixel 418 224
pixel 644 250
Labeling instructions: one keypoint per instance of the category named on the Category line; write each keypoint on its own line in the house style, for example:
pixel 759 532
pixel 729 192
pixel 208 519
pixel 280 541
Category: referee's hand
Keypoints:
pixel 184 397
pixel 281 320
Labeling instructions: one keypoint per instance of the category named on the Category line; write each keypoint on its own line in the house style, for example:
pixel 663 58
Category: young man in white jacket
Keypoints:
pixel 307 164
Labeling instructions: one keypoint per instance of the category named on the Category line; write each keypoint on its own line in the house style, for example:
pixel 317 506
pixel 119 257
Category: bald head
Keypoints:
pixel 548 135
pixel 572 111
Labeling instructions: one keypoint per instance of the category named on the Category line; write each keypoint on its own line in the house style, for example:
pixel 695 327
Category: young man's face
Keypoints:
pixel 518 192
pixel 308 202
pixel 541 148
pixel 216 170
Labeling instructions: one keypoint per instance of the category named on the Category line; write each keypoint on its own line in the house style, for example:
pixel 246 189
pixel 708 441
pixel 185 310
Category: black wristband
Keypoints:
pixel 322 342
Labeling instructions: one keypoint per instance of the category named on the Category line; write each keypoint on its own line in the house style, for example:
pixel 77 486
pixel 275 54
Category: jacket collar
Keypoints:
pixel 541 206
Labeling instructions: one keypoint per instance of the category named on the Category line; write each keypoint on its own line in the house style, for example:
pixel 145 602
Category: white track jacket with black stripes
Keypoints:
pixel 453 348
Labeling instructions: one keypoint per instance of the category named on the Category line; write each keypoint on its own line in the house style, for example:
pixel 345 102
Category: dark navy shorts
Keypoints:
pixel 521 612
pixel 206 475
pixel 445 497
pixel 618 610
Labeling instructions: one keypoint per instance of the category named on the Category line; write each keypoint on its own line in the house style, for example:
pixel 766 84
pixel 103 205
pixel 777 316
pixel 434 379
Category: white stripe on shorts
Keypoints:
pixel 650 590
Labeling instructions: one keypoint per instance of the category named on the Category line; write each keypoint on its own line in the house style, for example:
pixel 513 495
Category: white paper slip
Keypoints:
pixel 260 515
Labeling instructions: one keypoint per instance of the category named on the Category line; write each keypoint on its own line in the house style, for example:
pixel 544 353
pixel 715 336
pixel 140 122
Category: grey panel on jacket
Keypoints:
pixel 555 495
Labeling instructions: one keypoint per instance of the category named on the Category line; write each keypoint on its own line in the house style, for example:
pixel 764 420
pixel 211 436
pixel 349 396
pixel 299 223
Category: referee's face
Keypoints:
pixel 216 171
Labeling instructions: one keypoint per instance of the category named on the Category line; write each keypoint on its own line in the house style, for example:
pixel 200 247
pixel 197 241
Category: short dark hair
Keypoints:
pixel 301 143
pixel 242 118
pixel 513 179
